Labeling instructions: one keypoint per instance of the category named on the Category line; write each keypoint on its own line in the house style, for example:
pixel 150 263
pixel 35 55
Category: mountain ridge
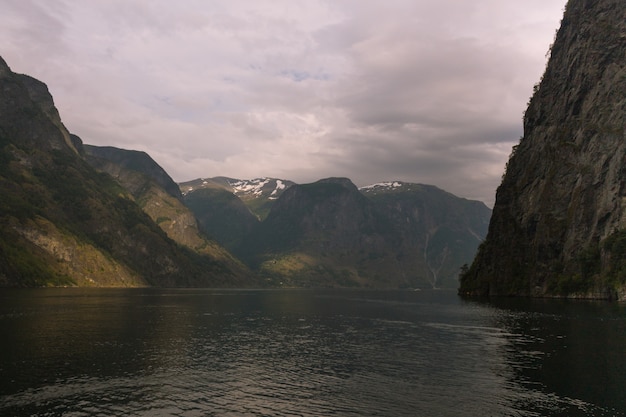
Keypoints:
pixel 333 214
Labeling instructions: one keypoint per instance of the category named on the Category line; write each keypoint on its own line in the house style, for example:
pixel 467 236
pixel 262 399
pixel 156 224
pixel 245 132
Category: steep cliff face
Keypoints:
pixel 559 221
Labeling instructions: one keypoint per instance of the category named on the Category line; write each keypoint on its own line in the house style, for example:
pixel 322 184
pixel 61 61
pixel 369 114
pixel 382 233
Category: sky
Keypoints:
pixel 425 91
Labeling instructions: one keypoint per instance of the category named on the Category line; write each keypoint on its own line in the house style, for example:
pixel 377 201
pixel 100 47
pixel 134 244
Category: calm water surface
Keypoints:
pixel 148 352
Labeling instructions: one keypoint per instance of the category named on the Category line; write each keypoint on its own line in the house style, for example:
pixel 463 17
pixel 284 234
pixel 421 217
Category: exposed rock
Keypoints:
pixel 560 211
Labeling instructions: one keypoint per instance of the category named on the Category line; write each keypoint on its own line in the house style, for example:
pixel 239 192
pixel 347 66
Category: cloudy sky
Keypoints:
pixel 428 91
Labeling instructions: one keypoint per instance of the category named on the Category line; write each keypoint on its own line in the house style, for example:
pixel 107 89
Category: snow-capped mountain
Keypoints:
pixel 393 187
pixel 388 185
pixel 257 194
pixel 268 188
pixel 271 188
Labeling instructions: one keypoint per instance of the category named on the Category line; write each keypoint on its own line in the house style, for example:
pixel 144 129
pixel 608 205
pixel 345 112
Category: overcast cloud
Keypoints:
pixel 415 90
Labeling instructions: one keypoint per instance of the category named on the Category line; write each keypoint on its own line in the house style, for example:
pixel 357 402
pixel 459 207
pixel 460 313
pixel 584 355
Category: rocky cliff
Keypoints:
pixel 559 223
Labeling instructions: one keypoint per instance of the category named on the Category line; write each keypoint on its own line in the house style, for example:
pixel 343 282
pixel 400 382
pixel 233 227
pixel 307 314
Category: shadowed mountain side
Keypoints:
pixel 222 215
pixel 443 228
pixel 559 221
pixel 321 234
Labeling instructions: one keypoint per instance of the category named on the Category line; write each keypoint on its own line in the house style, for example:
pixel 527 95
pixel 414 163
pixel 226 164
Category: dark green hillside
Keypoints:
pixel 327 213
pixel 221 215
pixel 320 234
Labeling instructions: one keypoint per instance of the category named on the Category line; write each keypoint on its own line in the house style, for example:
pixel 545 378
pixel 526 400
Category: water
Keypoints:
pixel 148 352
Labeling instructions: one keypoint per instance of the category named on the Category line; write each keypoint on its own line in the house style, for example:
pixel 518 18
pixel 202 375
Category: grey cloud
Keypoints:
pixel 413 90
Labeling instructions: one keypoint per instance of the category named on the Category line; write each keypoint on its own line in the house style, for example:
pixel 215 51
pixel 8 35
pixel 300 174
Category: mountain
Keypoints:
pixel 135 169
pixel 160 197
pixel 445 229
pixel 559 222
pixel 329 233
pixel 318 234
pixel 64 223
pixel 228 209
pixel 77 214
pixel 258 194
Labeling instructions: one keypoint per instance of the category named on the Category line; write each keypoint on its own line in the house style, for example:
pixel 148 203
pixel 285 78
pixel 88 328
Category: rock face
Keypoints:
pixel 559 223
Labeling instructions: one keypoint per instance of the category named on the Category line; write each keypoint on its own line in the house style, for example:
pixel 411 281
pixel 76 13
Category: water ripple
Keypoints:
pixel 209 360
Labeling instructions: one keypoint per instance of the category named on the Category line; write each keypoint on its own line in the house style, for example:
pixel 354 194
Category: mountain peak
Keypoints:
pixel 343 181
pixel 262 187
pixel 385 186
pixel 4 68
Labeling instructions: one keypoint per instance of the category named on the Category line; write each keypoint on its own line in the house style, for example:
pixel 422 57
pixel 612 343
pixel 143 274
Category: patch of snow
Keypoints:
pixel 279 186
pixel 254 186
pixel 387 184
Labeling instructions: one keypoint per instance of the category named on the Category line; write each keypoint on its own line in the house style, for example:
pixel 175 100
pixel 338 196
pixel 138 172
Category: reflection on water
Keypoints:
pixel 81 352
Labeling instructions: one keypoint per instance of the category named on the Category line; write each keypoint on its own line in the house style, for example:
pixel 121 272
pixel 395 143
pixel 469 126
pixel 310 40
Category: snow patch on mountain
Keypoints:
pixel 265 187
pixel 254 186
pixel 381 186
pixel 279 186
pixel 259 187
